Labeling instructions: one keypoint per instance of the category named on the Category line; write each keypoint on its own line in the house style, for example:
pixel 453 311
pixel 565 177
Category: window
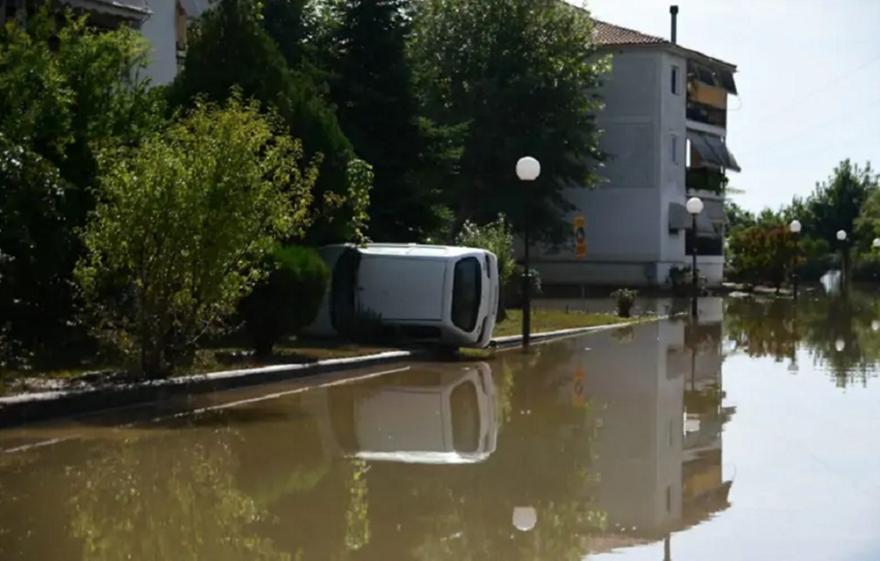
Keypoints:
pixel 465 411
pixel 673 143
pixel 674 79
pixel 466 293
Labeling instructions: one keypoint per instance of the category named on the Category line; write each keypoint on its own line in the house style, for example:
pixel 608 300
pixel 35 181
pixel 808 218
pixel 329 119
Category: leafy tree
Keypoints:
pixel 764 252
pixel 230 48
pixel 184 221
pixel 836 203
pixel 67 92
pixel 522 74
pixel 371 84
pixel 288 299
pixel 737 216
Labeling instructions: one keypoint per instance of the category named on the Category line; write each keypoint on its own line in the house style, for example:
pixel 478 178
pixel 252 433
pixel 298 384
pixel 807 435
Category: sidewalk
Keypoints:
pixel 30 407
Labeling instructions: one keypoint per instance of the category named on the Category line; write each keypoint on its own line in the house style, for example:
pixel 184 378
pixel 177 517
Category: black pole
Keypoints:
pixel 527 284
pixel 667 549
pixel 794 273
pixel 694 278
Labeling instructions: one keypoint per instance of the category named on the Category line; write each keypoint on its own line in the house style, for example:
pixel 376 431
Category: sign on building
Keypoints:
pixel 580 237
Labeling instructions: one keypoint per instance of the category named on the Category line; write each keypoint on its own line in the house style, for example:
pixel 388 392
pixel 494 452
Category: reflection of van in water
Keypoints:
pixel 431 416
pixel 442 294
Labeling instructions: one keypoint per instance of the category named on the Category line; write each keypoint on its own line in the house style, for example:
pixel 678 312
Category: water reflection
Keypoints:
pixel 838 333
pixel 582 446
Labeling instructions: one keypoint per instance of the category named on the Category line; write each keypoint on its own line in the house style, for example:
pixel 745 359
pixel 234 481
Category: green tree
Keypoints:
pixel 371 84
pixel 522 74
pixel 764 252
pixel 66 93
pixel 288 299
pixel 836 203
pixel 184 221
pixel 231 48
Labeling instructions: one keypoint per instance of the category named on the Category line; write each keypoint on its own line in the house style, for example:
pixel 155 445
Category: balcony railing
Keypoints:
pixel 707 246
pixel 707 114
pixel 703 179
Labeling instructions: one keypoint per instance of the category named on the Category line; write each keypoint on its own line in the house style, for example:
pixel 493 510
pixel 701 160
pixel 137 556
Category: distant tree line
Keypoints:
pixel 140 219
pixel 762 249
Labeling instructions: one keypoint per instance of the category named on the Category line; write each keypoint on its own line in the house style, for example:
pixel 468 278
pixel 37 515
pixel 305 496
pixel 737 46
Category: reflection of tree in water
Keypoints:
pixel 836 330
pixel 158 499
pixel 762 327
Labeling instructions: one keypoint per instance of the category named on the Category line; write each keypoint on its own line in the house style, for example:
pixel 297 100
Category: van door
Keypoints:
pixel 402 289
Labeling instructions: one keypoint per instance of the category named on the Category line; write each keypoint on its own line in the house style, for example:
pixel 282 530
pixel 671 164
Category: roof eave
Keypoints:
pixel 670 47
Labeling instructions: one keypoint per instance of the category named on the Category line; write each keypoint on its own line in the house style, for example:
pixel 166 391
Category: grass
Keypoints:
pixel 234 354
pixel 553 320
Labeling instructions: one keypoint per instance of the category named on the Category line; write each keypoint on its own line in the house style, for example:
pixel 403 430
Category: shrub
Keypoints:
pixel 287 299
pixel 625 298
pixel 183 224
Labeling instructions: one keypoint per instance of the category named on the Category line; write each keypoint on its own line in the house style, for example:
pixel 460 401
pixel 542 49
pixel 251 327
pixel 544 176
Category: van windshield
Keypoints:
pixel 466 292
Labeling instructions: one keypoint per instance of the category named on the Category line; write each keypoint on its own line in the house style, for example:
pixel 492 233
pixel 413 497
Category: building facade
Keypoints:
pixel 664 133
pixel 162 22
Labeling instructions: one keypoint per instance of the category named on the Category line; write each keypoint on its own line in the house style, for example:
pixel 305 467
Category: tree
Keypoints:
pixel 522 74
pixel 183 224
pixel 371 85
pixel 230 48
pixel 67 92
pixel 764 252
pixel 836 203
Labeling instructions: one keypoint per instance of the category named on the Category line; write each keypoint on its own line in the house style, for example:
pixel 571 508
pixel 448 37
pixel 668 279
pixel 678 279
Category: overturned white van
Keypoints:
pixel 442 294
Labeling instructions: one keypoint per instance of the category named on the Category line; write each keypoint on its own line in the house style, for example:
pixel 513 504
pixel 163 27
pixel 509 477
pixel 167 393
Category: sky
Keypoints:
pixel 808 79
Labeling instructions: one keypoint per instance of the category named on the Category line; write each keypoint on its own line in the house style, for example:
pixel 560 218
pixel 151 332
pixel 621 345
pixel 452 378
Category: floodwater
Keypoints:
pixel 751 434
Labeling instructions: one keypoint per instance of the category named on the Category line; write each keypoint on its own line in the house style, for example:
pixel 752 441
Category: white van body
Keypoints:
pixel 444 294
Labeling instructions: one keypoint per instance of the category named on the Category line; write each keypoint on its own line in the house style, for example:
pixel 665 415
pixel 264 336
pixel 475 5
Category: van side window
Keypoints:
pixel 466 293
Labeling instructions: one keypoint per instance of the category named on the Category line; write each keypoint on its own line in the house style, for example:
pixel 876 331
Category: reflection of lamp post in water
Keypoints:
pixel 795 228
pixel 527 169
pixel 694 207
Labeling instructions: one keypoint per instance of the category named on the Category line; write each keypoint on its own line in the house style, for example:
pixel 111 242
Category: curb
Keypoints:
pixel 548 336
pixel 25 408
pixel 29 407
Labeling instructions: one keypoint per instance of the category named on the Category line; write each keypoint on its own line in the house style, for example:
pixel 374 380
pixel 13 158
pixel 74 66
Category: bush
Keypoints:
pixel 184 222
pixel 625 299
pixel 288 299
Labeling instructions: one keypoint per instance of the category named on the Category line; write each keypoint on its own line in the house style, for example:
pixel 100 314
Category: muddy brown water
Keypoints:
pixel 749 434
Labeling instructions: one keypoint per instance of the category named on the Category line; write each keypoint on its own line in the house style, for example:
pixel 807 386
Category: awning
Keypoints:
pixel 129 9
pixel 717 77
pixel 679 219
pixel 713 150
pixel 710 222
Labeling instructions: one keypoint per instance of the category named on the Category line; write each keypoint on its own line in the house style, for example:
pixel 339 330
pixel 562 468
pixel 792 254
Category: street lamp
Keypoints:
pixel 527 170
pixel 694 207
pixel 795 228
pixel 844 272
pixel 876 243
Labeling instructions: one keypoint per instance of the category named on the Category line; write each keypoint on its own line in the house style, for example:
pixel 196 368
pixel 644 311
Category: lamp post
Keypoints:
pixel 694 207
pixel 795 228
pixel 527 170
pixel 844 273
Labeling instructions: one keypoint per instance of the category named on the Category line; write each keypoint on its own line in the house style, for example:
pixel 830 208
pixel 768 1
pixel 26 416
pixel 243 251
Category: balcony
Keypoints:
pixel 705 179
pixel 706 114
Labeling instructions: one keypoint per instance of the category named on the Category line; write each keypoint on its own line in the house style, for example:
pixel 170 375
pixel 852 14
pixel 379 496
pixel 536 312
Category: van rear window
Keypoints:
pixel 466 293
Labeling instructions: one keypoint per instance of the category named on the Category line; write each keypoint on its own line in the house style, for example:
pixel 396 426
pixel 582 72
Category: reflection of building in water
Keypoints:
pixel 658 450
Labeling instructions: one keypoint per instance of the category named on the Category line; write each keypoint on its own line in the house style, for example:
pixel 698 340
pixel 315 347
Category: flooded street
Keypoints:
pixel 752 433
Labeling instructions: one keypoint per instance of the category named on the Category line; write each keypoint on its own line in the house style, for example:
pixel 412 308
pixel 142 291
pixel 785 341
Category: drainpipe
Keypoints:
pixel 674 35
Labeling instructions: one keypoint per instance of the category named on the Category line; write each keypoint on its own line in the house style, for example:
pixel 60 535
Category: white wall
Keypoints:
pixel 159 29
pixel 628 240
